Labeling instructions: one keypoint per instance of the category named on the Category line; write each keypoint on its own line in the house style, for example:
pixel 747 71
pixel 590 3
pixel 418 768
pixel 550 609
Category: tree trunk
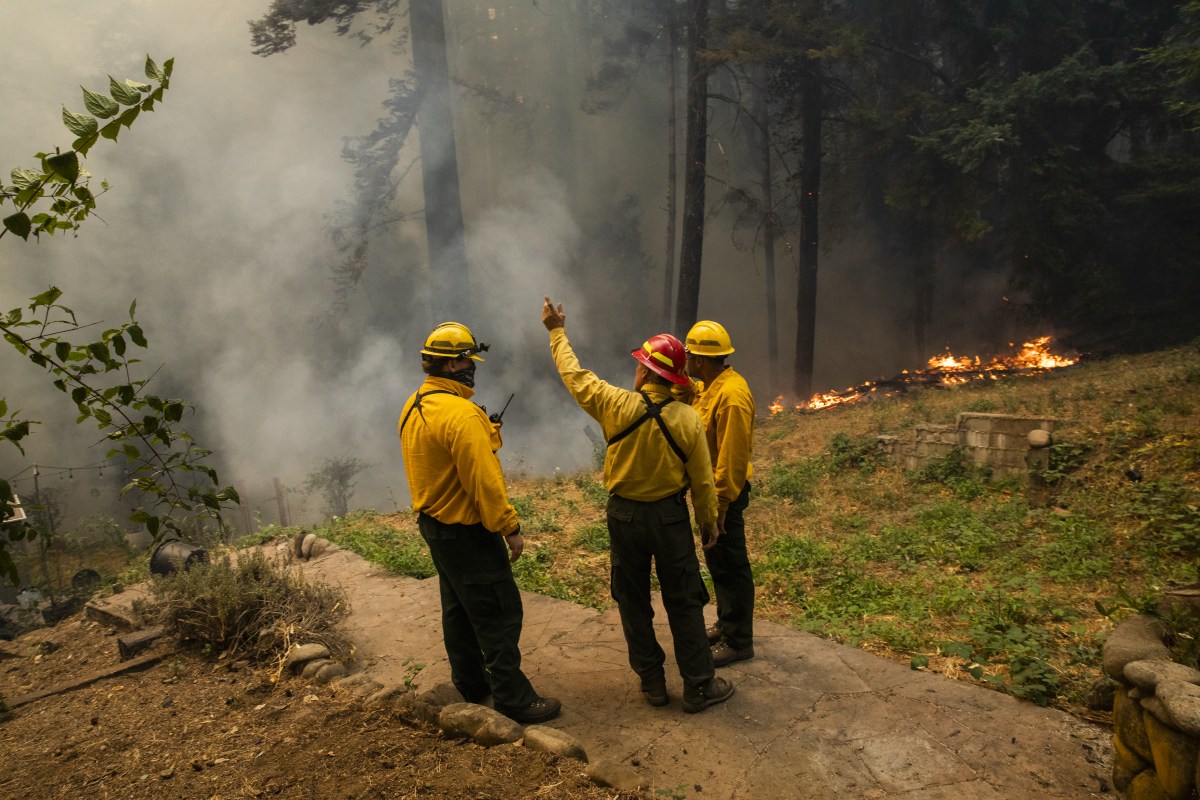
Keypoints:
pixel 439 163
pixel 768 223
pixel 692 248
pixel 672 172
pixel 923 283
pixel 810 195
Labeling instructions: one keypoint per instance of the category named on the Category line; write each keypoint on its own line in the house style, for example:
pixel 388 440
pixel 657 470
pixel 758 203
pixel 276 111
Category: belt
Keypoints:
pixel 679 497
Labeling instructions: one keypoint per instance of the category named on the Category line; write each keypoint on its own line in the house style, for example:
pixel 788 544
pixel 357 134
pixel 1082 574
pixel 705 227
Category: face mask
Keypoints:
pixel 464 376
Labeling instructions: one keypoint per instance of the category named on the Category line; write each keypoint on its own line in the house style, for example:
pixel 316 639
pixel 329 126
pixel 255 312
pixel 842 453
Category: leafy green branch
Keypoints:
pixel 61 177
pixel 141 426
pixel 144 429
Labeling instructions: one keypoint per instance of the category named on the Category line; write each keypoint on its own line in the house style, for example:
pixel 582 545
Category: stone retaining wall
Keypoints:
pixel 1156 714
pixel 1004 444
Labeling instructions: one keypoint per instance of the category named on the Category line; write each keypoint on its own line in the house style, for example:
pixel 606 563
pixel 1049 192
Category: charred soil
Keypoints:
pixel 185 726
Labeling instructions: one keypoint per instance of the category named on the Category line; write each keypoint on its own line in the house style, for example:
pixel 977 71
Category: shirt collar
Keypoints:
pixel 447 385
pixel 656 390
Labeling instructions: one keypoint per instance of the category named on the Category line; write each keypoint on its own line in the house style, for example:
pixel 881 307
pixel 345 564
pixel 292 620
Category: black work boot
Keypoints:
pixel 540 710
pixel 724 653
pixel 656 692
pixel 717 690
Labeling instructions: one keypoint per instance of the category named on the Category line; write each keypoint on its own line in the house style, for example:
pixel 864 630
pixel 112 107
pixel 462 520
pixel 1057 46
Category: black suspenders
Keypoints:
pixel 652 410
pixel 416 406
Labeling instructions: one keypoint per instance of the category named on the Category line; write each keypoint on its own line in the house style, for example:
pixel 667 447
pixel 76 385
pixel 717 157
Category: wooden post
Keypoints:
pixel 283 517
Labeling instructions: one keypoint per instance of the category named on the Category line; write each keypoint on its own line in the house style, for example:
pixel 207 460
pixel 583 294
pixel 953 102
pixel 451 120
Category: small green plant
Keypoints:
pixel 861 453
pixel 1170 516
pixel 412 669
pixel 1063 459
pixel 541 523
pixel 1125 600
pixel 956 472
pixel 797 552
pixel 593 537
pixel 981 405
pixel 593 490
pixel 794 482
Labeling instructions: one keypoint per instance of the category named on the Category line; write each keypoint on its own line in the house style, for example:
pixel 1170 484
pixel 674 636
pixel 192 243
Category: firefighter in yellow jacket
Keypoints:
pixel 656 452
pixel 472 530
pixel 726 406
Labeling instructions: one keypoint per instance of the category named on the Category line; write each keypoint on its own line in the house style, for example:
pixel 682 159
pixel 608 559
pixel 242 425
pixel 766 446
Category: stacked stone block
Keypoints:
pixel 1156 714
pixel 930 442
pixel 1004 444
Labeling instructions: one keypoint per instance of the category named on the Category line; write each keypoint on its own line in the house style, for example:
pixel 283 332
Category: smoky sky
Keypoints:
pixel 217 224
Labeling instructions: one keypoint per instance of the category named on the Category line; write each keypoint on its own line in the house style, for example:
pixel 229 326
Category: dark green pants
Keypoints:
pixel 660 532
pixel 733 581
pixel 481 613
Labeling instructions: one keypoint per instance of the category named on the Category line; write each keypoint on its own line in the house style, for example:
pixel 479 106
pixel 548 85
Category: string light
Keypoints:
pixel 41 470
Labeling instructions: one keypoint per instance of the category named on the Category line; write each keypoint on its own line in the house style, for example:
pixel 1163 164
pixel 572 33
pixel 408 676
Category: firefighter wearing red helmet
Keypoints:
pixel 726 406
pixel 472 530
pixel 656 452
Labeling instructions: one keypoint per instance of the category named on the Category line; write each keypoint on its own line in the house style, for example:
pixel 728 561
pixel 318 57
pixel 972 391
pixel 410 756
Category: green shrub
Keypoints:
pixel 1064 458
pixel 861 453
pixel 956 472
pixel 981 405
pixel 792 482
pixel 1170 517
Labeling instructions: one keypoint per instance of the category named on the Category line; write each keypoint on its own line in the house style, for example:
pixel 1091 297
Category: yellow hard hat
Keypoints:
pixel 453 340
pixel 708 338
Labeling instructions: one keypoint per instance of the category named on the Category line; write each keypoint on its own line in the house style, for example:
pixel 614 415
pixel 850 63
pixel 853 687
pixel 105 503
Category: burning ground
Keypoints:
pixel 1031 358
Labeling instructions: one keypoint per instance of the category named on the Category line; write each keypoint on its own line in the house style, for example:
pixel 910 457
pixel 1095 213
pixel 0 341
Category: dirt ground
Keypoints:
pixel 186 727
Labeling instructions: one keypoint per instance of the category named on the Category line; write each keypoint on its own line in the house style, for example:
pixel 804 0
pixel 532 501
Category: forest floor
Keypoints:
pixel 186 727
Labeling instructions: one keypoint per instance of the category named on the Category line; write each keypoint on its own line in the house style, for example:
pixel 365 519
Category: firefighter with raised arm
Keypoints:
pixel 472 530
pixel 725 404
pixel 656 452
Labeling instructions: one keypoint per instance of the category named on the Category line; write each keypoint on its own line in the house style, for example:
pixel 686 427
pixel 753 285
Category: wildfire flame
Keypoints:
pixel 944 370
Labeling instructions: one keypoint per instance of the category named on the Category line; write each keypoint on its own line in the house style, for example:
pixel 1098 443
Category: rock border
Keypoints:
pixel 1156 713
pixel 443 707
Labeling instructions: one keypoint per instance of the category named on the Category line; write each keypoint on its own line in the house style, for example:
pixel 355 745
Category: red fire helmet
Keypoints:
pixel 663 354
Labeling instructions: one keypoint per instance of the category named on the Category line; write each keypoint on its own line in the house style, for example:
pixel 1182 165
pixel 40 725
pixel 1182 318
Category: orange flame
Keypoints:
pixel 944 370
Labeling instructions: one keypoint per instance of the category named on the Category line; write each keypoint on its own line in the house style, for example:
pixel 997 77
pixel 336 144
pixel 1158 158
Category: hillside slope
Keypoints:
pixel 942 569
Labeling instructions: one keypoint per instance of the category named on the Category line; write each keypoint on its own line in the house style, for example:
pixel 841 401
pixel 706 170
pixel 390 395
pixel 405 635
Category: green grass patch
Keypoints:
pixel 400 552
pixel 593 537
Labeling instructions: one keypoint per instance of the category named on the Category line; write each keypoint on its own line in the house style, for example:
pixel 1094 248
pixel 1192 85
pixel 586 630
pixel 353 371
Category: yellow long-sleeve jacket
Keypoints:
pixel 727 408
pixel 642 466
pixel 450 458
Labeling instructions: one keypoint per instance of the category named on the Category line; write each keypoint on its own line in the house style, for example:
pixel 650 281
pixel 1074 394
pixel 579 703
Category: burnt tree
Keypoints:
pixel 429 96
pixel 691 252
